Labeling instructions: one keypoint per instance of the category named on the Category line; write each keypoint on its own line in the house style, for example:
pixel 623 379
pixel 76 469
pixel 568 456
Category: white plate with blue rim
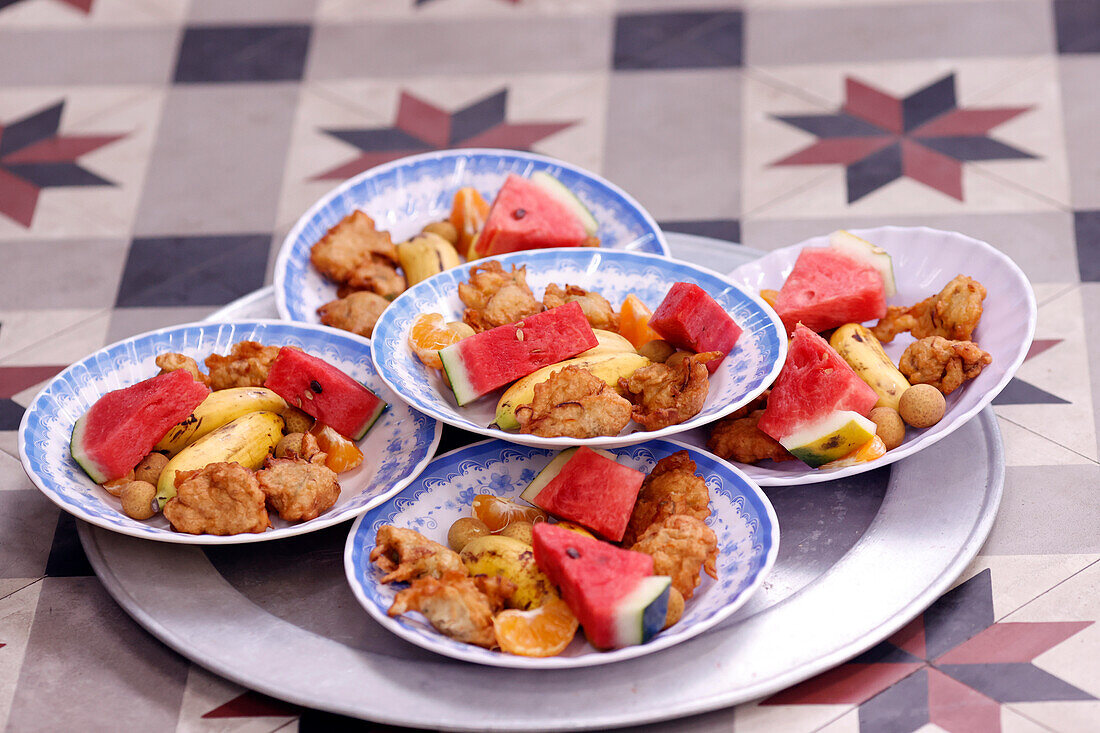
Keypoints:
pixel 396 448
pixel 747 371
pixel 741 516
pixel 406 194
pixel 924 261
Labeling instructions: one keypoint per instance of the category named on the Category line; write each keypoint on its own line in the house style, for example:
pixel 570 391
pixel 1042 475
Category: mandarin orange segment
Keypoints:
pixel 429 334
pixel 541 632
pixel 498 513
pixel 771 297
pixel 634 322
pixel 869 451
pixel 342 454
pixel 468 214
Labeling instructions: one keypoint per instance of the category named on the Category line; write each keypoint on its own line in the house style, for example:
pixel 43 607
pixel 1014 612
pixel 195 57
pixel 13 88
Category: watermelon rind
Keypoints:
pixel 551 471
pixel 641 613
pixel 80 455
pixel 373 418
pixel 459 377
pixel 864 251
pixel 566 198
pixel 832 437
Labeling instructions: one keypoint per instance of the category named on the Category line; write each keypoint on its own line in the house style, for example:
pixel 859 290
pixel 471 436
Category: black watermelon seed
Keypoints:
pixel 315 386
pixel 572 552
pixel 519 213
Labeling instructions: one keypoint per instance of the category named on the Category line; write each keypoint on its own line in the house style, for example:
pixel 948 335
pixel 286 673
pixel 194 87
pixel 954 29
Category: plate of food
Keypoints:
pixel 900 335
pixel 285 430
pixel 389 227
pixel 559 326
pixel 642 547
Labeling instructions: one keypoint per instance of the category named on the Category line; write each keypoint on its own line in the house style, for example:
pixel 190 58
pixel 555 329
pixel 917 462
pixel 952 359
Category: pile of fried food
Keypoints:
pixel 298 482
pixel 477 590
pixel 942 357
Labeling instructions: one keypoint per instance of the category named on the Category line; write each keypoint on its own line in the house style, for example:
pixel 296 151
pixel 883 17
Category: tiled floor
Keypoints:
pixel 154 152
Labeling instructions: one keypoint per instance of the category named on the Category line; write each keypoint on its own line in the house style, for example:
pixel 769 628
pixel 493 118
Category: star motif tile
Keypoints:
pixel 83 6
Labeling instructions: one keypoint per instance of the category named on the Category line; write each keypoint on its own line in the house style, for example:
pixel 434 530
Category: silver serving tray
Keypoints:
pixel 860 557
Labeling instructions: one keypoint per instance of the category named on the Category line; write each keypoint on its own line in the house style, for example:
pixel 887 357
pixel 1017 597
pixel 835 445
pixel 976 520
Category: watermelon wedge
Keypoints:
pixel 612 592
pixel 324 392
pixel 123 426
pixel 525 216
pixel 478 364
pixel 588 487
pixel 828 288
pixel 690 319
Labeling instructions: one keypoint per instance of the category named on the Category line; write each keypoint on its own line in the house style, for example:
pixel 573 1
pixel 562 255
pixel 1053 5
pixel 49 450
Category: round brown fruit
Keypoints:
pixel 888 426
pixel 150 468
pixel 922 406
pixel 657 350
pixel 464 530
pixel 522 530
pixel 137 499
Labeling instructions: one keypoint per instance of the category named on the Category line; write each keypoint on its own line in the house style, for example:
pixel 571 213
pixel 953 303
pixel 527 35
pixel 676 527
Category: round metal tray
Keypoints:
pixel 860 557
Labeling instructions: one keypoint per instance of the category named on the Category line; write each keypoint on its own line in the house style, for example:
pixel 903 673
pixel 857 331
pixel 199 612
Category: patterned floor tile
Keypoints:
pixel 67 558
pixel 1087 226
pixel 806 158
pixel 662 170
pixel 22 329
pixel 728 230
pixel 27 523
pixel 1037 502
pixel 126 322
pixel 83 274
pixel 211 703
pixel 1090 303
pixel 88 653
pixel 757 718
pixel 16 616
pixel 1025 447
pixel 698 39
pixel 1078 26
pixel 719 721
pixel 420 10
pixel 463 46
pixel 247 53
pixel 62 343
pixel 1018 579
pixel 92 56
pixel 232 134
pixel 247 11
pixel 86 14
pixel 1078 74
pixel 861 33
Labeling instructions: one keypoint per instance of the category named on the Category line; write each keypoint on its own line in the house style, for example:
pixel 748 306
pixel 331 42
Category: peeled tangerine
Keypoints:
pixel 869 451
pixel 429 334
pixel 634 322
pixel 541 632
pixel 342 454
pixel 830 438
pixel 498 513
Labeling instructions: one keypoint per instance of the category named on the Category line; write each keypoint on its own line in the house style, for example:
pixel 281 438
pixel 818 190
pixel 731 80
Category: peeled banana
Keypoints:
pixel 608 367
pixel 247 440
pixel 609 343
pixel 425 255
pixel 219 408
pixel 859 347
pixel 512 559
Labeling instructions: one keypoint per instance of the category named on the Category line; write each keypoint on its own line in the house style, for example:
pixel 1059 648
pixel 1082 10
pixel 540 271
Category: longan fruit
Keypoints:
pixel 522 530
pixel 922 406
pixel 290 443
pixel 657 350
pixel 888 426
pixel 137 499
pixel 296 421
pixel 150 468
pixel 464 530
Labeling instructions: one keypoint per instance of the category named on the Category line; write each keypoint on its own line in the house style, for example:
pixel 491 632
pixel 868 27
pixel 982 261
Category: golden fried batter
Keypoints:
pixel 378 276
pixel 404 555
pixel 494 297
pixel 596 309
pixel 358 312
pixel 670 393
pixel 349 244
pixel 457 605
pixel 953 313
pixel 672 487
pixel 680 546
pixel 221 499
pixel 739 439
pixel 246 365
pixel 299 489
pixel 942 363
pixel 171 361
pixel 576 404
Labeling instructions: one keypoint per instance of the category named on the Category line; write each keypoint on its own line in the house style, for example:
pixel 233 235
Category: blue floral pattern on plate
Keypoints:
pixel 397 448
pixel 742 518
pixel 745 373
pixel 409 193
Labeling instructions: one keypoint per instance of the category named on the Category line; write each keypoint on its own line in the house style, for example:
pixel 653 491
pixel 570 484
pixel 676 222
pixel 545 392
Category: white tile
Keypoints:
pixel 16 615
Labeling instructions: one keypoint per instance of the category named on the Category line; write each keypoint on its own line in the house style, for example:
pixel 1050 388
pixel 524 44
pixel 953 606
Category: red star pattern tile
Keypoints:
pixel 84 6
pixel 253 705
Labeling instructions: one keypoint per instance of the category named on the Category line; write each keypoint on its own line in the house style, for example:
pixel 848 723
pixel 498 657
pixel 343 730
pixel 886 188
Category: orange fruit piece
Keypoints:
pixel 541 632
pixel 468 214
pixel 498 513
pixel 634 322
pixel 343 455
pixel 869 451
pixel 771 297
pixel 429 334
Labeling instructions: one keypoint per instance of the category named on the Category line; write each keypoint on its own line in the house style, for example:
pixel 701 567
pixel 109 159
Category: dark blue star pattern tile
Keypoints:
pixel 200 270
pixel 242 53
pixel 679 40
pixel 727 229
pixel 1077 23
pixel 1019 392
pixel 1087 226
pixel 67 558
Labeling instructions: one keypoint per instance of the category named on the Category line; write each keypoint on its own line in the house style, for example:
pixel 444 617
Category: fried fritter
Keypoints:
pixel 942 363
pixel 171 361
pixel 494 297
pixel 377 275
pixel 358 312
pixel 680 546
pixel 574 403
pixel 348 245
pixel 221 499
pixel 246 365
pixel 457 605
pixel 596 309
pixel 670 393
pixel 739 439
pixel 672 487
pixel 299 489
pixel 953 313
pixel 404 555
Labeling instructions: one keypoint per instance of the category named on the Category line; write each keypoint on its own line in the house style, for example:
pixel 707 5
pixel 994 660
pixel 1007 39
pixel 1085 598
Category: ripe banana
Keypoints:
pixel 512 559
pixel 859 347
pixel 608 367
pixel 219 408
pixel 609 343
pixel 425 255
pixel 247 440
